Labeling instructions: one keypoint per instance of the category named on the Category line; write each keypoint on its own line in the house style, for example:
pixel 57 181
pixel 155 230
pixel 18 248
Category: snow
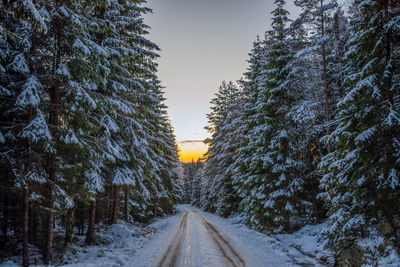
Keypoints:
pixel 366 135
pixel 19 64
pixel 124 244
pixel 259 249
pixel 309 241
pixel 35 14
pixel 2 139
pixel 29 95
pixel 392 119
pixel 70 138
pixel 372 257
pixel 5 91
pixel 95 182
pixel 8 264
pixel 37 129
pixel 110 123
pixel 81 47
pixel 123 176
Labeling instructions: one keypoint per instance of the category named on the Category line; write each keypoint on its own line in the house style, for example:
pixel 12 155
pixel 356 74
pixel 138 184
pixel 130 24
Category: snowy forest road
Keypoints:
pixel 197 238
pixel 179 250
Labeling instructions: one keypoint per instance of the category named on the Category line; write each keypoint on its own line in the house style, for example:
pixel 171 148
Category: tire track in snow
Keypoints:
pixel 232 257
pixel 172 252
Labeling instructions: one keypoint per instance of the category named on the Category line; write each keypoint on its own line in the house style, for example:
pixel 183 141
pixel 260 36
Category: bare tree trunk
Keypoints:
pixel 49 241
pixel 324 75
pixel 55 99
pixel 91 234
pixel 69 226
pixel 25 252
pixel 115 205
pixel 110 204
pixel 25 256
pixel 4 227
pixel 126 207
pixel 388 50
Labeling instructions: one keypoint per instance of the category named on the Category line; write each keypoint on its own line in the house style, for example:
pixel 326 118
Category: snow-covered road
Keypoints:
pixel 198 243
pixel 197 238
pixel 194 238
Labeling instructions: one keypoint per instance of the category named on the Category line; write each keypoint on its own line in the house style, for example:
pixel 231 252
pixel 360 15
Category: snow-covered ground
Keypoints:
pixel 196 238
pixel 259 249
pixel 309 241
pixel 197 249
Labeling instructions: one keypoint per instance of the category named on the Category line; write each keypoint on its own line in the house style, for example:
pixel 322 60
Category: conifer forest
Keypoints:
pixel 308 137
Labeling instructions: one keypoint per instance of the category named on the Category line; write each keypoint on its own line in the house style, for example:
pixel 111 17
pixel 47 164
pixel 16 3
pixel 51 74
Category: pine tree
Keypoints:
pixel 82 110
pixel 316 14
pixel 246 121
pixel 220 194
pixel 24 132
pixel 362 175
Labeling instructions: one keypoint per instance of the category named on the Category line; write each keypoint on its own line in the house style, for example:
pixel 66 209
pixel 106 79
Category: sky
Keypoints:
pixel 203 42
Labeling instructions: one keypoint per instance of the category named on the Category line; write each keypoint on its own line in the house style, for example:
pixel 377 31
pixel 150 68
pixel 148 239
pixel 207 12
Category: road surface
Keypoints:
pixel 198 238
pixel 197 242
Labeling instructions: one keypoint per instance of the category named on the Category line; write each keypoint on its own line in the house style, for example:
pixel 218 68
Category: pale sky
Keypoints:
pixel 203 42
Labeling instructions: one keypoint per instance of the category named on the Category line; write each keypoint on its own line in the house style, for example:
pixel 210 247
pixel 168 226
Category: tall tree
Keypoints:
pixel 220 193
pixel 362 175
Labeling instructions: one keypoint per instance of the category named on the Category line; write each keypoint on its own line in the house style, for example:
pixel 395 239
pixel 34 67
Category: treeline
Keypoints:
pixel 312 130
pixel 191 182
pixel 84 134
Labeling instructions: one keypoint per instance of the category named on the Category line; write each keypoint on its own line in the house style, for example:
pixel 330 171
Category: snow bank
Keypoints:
pixel 308 241
pixel 8 264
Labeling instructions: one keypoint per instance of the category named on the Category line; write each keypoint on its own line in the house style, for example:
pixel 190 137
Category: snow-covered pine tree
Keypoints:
pixel 246 121
pixel 315 15
pixel 24 133
pixel 275 171
pixel 221 197
pixel 163 150
pixel 362 175
pixel 133 98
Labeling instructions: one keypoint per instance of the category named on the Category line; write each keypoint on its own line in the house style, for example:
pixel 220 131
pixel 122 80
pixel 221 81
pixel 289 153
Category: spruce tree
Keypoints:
pixel 362 175
pixel 220 194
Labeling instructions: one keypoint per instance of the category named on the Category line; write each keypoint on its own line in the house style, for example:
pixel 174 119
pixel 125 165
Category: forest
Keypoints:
pixel 84 133
pixel 310 134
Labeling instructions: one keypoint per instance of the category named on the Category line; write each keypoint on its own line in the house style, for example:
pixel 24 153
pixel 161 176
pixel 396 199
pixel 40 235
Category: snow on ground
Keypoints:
pixel 309 241
pixel 259 249
pixel 125 244
pixel 128 247
pixel 131 245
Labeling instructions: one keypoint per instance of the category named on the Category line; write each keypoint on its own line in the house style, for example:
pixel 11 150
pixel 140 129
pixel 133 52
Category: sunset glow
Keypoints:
pixel 191 150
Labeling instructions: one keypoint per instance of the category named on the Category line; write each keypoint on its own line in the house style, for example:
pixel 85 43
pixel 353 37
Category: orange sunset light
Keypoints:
pixel 191 150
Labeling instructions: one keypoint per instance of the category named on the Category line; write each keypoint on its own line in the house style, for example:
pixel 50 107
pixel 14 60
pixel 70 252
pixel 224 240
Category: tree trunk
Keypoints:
pixel 81 219
pixel 69 226
pixel 4 227
pixel 33 224
pixel 25 252
pixel 324 75
pixel 388 48
pixel 91 234
pixel 55 99
pixel 25 256
pixel 110 204
pixel 49 241
pixel 115 205
pixel 126 207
